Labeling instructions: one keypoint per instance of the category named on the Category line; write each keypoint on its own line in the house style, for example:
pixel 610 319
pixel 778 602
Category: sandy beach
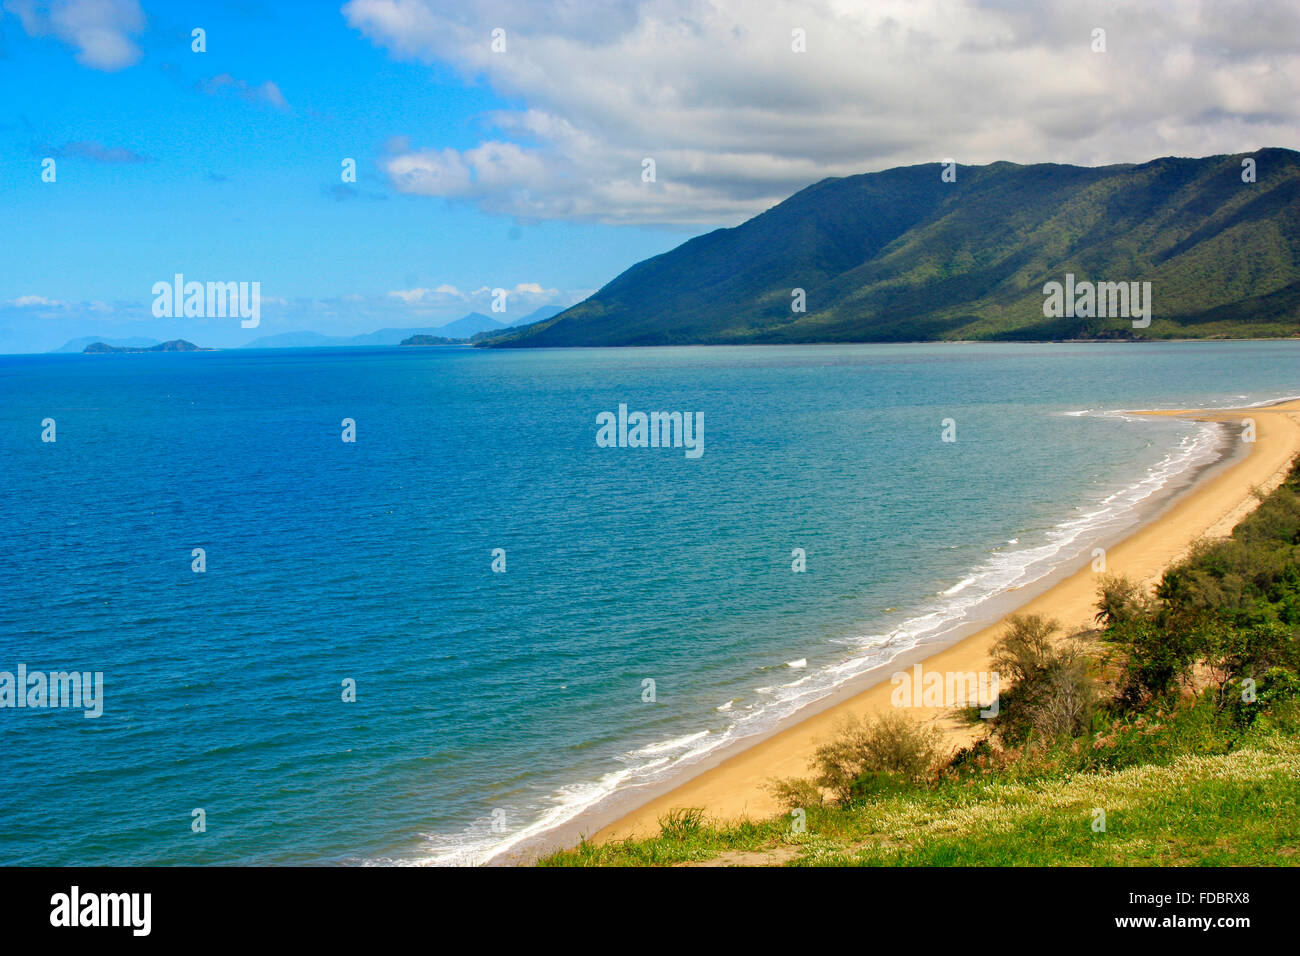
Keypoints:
pixel 1222 496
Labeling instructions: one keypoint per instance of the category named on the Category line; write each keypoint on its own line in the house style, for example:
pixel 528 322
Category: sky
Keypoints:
pixel 509 145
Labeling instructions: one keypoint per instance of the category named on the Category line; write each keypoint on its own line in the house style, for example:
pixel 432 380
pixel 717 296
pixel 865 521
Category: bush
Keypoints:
pixel 1065 696
pixel 1273 691
pixel 1249 579
pixel 1120 600
pixel 1278 686
pixel 1236 652
pixel 1052 693
pixel 1165 729
pixel 796 793
pixel 1159 656
pixel 1025 650
pixel 887 744
pixel 977 758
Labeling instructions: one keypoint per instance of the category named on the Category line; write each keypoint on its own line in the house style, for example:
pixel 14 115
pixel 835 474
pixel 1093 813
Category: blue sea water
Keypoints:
pixel 493 705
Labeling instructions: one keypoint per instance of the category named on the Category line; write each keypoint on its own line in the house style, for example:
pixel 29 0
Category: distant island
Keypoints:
pixel 943 252
pixel 458 332
pixel 461 331
pixel 431 340
pixel 175 345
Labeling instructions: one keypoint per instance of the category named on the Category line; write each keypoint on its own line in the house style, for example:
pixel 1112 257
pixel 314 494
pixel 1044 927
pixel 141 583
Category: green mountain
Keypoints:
pixel 901 255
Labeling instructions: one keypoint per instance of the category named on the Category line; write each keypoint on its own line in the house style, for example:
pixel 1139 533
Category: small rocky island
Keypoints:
pixel 175 345
pixel 431 340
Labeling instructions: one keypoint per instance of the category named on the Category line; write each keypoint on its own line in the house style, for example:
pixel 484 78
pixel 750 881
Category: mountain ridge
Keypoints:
pixel 901 255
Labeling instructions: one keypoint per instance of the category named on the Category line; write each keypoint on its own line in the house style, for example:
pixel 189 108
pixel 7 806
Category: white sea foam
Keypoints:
pixel 1213 405
pixel 668 745
pixel 1270 401
pixel 961 604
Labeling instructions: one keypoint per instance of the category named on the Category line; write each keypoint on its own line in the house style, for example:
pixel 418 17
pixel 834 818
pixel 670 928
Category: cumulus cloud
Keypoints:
pixel 100 30
pixel 736 120
pixel 410 296
pixel 524 296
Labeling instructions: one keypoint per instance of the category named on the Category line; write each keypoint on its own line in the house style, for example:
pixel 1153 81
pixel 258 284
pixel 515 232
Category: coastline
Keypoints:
pixel 731 785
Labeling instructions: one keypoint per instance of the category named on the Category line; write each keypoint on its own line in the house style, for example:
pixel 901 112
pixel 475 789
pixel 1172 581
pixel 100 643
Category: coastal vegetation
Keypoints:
pixel 1169 734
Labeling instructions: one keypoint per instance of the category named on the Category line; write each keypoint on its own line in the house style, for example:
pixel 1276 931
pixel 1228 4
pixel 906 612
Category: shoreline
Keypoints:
pixel 730 784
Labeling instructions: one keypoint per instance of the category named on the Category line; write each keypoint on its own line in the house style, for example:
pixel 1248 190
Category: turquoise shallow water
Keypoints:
pixel 490 705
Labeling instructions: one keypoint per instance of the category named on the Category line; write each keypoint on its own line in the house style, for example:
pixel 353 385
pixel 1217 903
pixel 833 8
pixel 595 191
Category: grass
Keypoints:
pixel 1238 808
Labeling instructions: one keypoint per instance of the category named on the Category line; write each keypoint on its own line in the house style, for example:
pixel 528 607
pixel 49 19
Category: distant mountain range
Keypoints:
pixel 903 255
pixel 175 345
pixel 469 326
pixel 311 340
pixel 462 329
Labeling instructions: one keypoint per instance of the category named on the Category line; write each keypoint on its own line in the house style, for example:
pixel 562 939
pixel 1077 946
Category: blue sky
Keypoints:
pixel 159 169
pixel 519 165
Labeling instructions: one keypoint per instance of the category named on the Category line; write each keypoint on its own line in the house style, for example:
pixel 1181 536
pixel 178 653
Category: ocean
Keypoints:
pixel 643 611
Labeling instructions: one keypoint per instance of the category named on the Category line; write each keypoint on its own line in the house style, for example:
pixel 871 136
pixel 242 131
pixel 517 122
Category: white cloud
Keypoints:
pixel 410 296
pixel 37 302
pixel 266 92
pixel 736 121
pixel 430 172
pixel 269 92
pixel 99 29
pixel 531 295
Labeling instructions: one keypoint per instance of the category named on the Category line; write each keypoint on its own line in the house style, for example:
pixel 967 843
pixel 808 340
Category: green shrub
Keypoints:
pixel 978 758
pixel 1159 656
pixel 1053 692
pixel 1120 600
pixel 795 793
pixel 889 743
